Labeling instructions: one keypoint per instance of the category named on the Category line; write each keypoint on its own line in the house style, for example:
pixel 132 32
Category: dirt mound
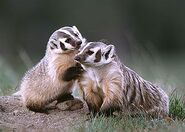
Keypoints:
pixel 13 116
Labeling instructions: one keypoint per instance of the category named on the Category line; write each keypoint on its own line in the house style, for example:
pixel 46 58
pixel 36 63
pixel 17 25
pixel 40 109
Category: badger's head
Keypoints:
pixel 65 40
pixel 96 54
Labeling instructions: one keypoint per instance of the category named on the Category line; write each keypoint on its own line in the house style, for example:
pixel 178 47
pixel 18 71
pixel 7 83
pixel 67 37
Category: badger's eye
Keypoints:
pixel 89 52
pixel 68 40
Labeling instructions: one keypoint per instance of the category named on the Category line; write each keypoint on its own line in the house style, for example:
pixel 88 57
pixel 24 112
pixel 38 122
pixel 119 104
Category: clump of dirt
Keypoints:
pixel 13 116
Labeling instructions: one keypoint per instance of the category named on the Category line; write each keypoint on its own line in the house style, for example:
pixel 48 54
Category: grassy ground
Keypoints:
pixel 176 122
pixel 167 72
pixel 111 124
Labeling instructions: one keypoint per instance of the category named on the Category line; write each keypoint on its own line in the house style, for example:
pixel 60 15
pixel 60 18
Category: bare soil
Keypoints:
pixel 15 117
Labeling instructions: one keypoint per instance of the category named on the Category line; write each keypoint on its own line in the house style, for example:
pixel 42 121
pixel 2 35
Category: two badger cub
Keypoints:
pixel 107 84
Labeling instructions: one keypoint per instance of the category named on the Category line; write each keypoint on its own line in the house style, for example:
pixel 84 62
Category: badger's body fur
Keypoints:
pixel 102 87
pixel 112 86
pixel 142 96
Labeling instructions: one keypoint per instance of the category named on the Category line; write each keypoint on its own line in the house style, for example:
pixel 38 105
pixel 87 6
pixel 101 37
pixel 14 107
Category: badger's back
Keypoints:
pixel 142 95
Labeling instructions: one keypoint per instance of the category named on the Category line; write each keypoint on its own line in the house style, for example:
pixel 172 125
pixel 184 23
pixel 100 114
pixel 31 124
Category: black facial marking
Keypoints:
pixel 68 40
pixel 89 52
pixel 51 47
pixel 107 54
pixel 55 39
pixel 76 35
pixel 63 46
pixel 62 35
pixel 98 56
pixel 71 31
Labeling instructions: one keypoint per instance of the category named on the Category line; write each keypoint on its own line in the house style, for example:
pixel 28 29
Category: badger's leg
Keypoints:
pixel 108 107
pixel 36 106
pixel 113 96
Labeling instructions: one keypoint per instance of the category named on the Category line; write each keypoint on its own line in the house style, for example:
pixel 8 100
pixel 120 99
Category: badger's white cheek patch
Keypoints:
pixel 91 58
pixel 68 46
pixel 64 45
pixel 58 50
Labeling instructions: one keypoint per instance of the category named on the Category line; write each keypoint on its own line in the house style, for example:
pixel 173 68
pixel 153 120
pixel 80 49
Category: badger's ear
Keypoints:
pixel 109 51
pixel 76 29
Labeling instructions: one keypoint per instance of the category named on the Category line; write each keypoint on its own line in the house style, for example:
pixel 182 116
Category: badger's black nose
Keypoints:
pixel 79 43
pixel 77 58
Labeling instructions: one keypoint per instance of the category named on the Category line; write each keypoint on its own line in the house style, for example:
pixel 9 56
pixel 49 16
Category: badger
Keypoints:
pixel 53 77
pixel 108 85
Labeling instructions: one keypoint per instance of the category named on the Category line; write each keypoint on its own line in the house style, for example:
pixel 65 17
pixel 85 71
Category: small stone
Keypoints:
pixel 70 105
pixel 168 119
pixel 33 113
pixel 15 112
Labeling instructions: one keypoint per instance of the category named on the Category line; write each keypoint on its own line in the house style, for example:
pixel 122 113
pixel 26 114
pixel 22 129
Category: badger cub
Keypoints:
pixel 53 77
pixel 101 83
pixel 108 85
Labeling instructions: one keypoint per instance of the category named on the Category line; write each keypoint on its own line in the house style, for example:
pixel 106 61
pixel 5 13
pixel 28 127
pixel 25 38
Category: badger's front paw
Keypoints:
pixel 107 109
pixel 73 72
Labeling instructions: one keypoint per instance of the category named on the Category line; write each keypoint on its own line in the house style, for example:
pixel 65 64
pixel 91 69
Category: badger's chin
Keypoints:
pixel 90 64
pixel 86 64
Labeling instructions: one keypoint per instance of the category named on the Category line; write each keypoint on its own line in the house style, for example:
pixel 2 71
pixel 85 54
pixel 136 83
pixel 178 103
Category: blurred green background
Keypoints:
pixel 148 35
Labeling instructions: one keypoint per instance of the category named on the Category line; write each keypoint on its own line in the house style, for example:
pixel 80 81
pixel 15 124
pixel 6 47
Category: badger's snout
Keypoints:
pixel 78 44
pixel 78 58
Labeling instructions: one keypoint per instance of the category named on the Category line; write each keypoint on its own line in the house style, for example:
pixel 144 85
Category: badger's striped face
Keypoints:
pixel 95 54
pixel 66 39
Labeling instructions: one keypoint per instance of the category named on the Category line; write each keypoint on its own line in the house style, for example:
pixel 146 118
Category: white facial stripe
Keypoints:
pixel 80 37
pixel 96 49
pixel 68 33
pixel 84 48
pixel 77 32
pixel 67 46
pixel 62 40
